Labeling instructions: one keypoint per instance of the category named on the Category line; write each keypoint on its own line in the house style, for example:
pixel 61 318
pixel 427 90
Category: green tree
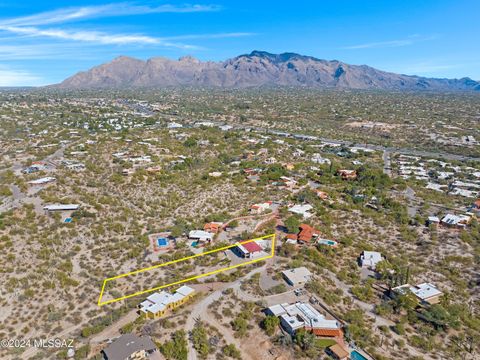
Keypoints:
pixel 240 325
pixel 270 324
pixel 292 224
pixel 200 340
pixel 176 348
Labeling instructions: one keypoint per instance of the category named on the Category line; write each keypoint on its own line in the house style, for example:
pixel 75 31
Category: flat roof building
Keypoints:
pixel 370 259
pixel 200 235
pixel 157 304
pixel 426 293
pixel 304 316
pixel 297 276
pixel 61 207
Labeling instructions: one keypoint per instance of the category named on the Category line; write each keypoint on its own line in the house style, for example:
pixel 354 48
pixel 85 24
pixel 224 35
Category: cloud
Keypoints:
pixel 38 25
pixel 428 68
pixel 392 43
pixel 14 77
pixel 109 10
pixel 94 37
pixel 209 36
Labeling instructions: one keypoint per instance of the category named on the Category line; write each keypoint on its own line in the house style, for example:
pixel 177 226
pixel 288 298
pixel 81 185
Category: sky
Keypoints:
pixel 43 42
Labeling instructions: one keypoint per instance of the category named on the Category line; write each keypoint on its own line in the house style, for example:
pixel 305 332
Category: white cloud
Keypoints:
pixel 92 36
pixel 423 68
pixel 14 77
pixel 108 10
pixel 35 25
pixel 209 36
pixel 392 43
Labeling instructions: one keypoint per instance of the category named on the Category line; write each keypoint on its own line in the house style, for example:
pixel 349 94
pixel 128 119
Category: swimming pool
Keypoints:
pixel 195 244
pixel 68 220
pixel 355 355
pixel 327 242
pixel 162 242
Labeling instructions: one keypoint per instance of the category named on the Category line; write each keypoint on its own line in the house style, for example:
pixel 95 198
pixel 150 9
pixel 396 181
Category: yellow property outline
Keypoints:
pixel 272 254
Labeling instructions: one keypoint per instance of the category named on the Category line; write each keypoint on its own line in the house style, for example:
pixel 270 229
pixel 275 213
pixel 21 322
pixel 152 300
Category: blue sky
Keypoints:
pixel 44 42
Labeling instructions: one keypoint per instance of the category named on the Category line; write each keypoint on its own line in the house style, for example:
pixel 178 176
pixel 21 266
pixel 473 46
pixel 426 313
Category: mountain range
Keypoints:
pixel 259 68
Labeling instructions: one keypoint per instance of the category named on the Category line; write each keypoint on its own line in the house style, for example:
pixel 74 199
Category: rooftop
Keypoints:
pixel 128 344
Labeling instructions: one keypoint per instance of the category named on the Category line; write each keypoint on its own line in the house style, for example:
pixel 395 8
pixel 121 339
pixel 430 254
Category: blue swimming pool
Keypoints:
pixel 355 355
pixel 195 244
pixel 162 241
pixel 68 220
pixel 327 242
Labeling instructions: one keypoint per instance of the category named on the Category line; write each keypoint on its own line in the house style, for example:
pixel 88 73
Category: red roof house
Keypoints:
pixel 213 227
pixel 249 249
pixel 307 233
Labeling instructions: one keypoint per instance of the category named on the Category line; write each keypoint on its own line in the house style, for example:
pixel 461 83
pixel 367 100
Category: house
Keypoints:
pixel 213 227
pixel 140 159
pixel 426 293
pixel 302 210
pixel 304 316
pixel 61 207
pixel 370 259
pixel 433 220
pixel 306 234
pixel 338 352
pixel 127 172
pixel 322 194
pixel 298 276
pixel 318 159
pixel 42 181
pixel 288 182
pixel 225 127
pixel 200 235
pixel 291 239
pixel 75 166
pixel 153 169
pixel 458 221
pixel 260 208
pixel 347 174
pixel 129 347
pixel 157 304
pixel 174 125
pixel 475 208
pixel 298 153
pixel 249 249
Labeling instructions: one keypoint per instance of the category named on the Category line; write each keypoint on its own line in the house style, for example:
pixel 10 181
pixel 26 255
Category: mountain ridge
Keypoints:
pixel 258 68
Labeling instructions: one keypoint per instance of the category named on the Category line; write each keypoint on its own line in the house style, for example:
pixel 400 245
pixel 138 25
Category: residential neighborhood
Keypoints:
pixel 143 228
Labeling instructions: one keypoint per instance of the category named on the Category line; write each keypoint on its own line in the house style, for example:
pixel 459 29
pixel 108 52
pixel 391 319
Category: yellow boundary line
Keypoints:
pixel 101 303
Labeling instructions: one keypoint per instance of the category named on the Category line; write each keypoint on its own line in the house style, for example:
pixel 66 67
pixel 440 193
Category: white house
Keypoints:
pixel 304 316
pixel 61 207
pixel 297 276
pixel 318 159
pixel 260 208
pixel 303 210
pixel 459 221
pixel 425 292
pixel 41 181
pixel 200 235
pixel 370 259
pixel 174 125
